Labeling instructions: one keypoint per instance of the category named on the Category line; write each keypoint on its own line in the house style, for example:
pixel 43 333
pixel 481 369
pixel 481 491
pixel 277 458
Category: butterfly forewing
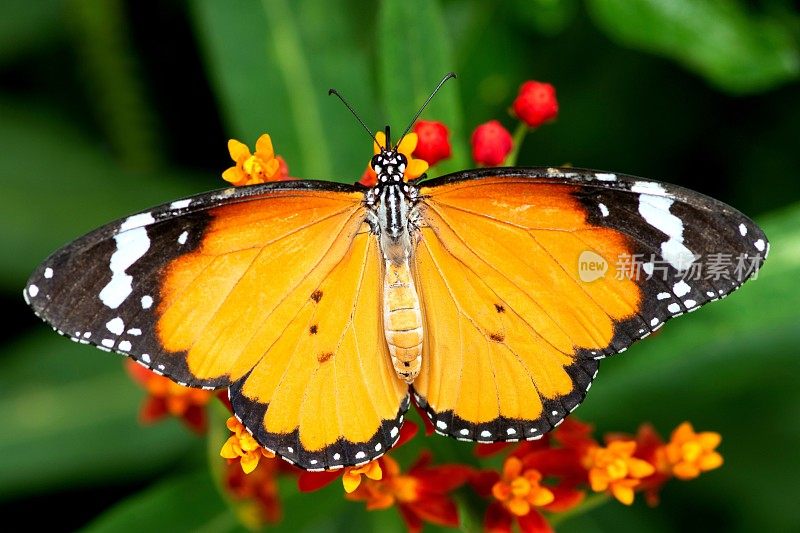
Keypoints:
pixel 271 289
pixel 529 276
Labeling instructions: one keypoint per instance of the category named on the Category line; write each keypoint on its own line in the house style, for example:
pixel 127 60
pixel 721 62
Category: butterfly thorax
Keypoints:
pixel 392 204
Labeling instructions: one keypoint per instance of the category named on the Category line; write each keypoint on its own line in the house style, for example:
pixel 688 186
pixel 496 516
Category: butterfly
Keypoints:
pixel 489 296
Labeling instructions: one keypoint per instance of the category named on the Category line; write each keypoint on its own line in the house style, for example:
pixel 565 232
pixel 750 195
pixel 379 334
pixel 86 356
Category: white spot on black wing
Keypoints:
pixel 115 326
pixel 604 176
pixel 180 204
pixel 681 288
pixel 132 243
pixel 654 207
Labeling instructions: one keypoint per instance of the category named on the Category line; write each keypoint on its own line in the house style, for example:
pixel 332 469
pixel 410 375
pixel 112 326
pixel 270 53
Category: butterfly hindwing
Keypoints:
pixel 330 371
pixel 529 276
pixel 265 289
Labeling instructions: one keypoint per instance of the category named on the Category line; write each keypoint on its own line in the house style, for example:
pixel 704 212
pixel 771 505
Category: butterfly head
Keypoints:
pixel 389 166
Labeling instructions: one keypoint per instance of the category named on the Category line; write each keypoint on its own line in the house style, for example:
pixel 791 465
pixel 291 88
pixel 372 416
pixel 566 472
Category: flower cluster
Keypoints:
pixel 492 143
pixel 542 478
pixel 537 480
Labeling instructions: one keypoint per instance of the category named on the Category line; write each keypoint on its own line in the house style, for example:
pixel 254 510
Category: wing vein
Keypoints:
pixel 509 280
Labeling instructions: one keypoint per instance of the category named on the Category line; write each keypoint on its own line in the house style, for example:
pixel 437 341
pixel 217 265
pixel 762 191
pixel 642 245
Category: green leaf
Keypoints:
pixel 272 64
pixel 69 417
pixel 50 200
pixel 110 75
pixel 549 17
pixel 185 503
pixel 733 48
pixel 25 25
pixel 414 52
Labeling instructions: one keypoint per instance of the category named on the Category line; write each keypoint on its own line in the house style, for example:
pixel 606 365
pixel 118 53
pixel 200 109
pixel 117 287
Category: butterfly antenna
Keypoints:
pixel 447 76
pixel 335 92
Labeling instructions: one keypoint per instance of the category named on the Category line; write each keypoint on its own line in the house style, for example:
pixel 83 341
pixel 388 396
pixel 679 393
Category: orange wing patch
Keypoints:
pixel 257 263
pixel 512 329
pixel 281 297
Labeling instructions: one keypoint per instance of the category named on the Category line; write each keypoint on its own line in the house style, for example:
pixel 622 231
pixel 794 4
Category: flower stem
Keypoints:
pixel 591 502
pixel 519 136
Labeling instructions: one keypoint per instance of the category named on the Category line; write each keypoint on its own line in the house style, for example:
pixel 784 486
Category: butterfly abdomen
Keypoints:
pixel 402 320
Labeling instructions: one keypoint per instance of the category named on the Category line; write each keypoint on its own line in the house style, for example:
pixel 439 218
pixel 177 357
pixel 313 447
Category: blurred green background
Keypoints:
pixel 108 107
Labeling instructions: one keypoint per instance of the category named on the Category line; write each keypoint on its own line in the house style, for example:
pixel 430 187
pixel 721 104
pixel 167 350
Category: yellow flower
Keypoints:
pixel 519 491
pixel 384 487
pixel 687 454
pixel 415 167
pixel 241 445
pixel 351 478
pixel 260 167
pixel 614 468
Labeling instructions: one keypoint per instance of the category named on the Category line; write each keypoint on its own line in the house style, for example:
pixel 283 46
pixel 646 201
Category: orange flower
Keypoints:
pixel 648 446
pixel 614 468
pixel 165 397
pixel 687 454
pixel 415 167
pixel 421 495
pixel 520 494
pixel 260 167
pixel 520 491
pixel 241 445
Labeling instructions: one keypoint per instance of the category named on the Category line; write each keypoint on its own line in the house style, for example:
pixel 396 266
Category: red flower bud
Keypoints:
pixel 433 144
pixel 536 103
pixel 491 143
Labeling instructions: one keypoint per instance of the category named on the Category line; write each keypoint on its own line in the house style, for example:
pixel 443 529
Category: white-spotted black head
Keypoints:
pixel 389 166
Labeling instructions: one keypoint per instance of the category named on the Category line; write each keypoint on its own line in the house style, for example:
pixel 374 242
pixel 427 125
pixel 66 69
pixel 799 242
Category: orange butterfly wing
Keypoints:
pixel 511 331
pixel 271 290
